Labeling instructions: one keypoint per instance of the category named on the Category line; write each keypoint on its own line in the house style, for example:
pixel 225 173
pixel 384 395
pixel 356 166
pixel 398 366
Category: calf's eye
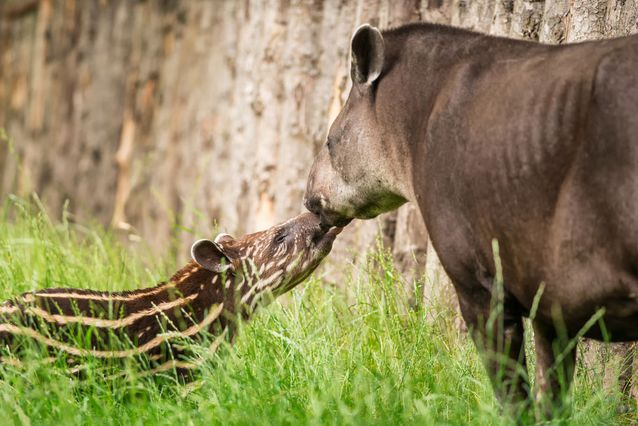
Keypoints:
pixel 279 239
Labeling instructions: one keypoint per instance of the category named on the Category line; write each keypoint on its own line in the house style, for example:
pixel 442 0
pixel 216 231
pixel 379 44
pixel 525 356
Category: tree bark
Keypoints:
pixel 527 18
pixel 170 119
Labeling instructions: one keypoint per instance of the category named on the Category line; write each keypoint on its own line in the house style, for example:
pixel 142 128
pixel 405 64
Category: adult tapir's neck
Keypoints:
pixel 420 59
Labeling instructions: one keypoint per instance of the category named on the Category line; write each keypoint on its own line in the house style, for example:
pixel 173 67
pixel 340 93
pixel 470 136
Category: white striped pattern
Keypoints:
pixel 109 323
pixel 153 343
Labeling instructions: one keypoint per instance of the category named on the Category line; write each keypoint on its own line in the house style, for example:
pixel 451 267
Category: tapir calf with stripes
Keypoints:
pixel 226 279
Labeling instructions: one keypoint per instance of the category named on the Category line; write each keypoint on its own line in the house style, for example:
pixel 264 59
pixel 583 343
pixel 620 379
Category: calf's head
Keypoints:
pixel 357 173
pixel 274 260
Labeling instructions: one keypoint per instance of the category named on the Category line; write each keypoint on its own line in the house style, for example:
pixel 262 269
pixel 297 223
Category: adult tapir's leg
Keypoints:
pixel 555 365
pixel 499 336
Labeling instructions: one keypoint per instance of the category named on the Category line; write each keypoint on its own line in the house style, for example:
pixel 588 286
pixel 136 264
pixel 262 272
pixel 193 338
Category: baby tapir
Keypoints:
pixel 223 283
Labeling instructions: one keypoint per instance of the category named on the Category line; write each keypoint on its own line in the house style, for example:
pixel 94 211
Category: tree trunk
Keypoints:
pixel 168 119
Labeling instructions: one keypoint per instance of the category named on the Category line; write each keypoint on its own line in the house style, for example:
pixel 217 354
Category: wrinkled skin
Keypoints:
pixel 533 146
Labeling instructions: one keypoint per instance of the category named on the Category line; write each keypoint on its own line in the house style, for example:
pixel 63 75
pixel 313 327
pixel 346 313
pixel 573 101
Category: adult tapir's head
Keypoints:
pixel 362 170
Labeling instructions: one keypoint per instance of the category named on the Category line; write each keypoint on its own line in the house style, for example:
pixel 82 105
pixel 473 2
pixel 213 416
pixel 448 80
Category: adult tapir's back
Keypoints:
pixel 533 145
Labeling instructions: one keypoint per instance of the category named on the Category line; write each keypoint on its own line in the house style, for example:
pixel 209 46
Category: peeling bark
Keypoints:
pixel 587 20
pixel 526 23
pixel 502 20
pixel 556 22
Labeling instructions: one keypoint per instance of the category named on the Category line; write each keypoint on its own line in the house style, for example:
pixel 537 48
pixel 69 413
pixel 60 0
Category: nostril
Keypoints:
pixel 313 205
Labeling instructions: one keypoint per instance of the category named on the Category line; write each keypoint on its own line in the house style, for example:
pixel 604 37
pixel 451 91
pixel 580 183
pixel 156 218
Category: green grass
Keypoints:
pixel 346 354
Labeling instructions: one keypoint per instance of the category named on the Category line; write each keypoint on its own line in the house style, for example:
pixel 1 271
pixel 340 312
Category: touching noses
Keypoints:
pixel 313 204
pixel 312 199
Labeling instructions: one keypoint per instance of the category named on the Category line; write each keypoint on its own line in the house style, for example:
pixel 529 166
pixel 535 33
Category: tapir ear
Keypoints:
pixel 223 238
pixel 367 54
pixel 210 256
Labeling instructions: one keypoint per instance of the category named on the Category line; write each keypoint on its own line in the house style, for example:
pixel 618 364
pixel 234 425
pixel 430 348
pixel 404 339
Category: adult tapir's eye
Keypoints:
pixel 330 143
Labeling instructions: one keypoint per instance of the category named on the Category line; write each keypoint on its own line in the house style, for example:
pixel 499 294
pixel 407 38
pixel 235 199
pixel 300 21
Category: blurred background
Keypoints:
pixel 167 120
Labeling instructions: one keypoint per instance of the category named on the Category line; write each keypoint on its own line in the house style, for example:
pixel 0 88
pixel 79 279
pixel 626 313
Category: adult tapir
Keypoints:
pixel 531 145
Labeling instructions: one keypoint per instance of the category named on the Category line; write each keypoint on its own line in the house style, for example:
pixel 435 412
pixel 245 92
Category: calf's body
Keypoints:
pixel 223 284
pixel 531 145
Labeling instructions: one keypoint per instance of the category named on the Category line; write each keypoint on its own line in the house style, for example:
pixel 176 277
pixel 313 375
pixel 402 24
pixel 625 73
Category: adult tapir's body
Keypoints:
pixel 535 146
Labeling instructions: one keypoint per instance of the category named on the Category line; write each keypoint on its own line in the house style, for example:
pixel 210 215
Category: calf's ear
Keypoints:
pixel 223 238
pixel 210 256
pixel 367 55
